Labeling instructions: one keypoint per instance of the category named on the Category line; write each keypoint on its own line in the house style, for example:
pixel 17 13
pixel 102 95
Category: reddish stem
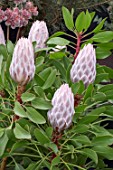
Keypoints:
pixel 20 90
pixel 79 37
pixel 55 139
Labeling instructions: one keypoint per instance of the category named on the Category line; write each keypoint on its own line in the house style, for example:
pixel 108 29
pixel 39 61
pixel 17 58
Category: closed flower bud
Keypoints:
pixel 22 67
pixel 61 114
pixel 39 34
pixel 2 37
pixel 84 67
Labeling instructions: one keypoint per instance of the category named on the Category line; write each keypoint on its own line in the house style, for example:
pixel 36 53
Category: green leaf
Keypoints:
pixel 52 146
pixel 57 55
pixel 50 80
pixel 18 145
pixel 55 161
pixel 103 37
pixel 81 128
pixel 106 46
pixel 109 71
pixel 68 18
pixel 3 51
pixel 18 110
pixel 41 136
pixel 82 139
pixel 3 143
pixel 99 27
pixel 105 151
pixel 106 88
pixel 80 22
pixel 42 104
pixel 61 69
pixel 1 60
pixel 38 90
pixel 101 77
pixel 58 41
pixel 39 60
pixel 26 97
pixel 49 131
pixel 10 47
pixel 1 132
pixel 18 167
pixel 91 154
pixel 21 133
pixel 88 92
pixel 99 97
pixel 102 53
pixel 35 116
pixel 102 140
pixel 88 20
pixel 56 34
pixel 45 73
pixel 75 87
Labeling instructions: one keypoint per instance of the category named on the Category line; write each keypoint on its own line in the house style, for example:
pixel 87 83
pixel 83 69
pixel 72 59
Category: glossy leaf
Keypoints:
pixel 3 143
pixel 50 80
pixel 42 104
pixel 18 110
pixel 91 154
pixel 21 133
pixel 102 53
pixel 68 18
pixel 41 136
pixel 26 97
pixel 58 41
pixel 103 37
pixel 35 116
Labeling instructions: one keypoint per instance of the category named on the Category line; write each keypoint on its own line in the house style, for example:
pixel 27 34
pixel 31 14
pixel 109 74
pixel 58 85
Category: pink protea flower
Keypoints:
pixel 2 37
pixel 61 114
pixel 2 15
pixel 84 67
pixel 22 66
pixel 31 9
pixel 39 33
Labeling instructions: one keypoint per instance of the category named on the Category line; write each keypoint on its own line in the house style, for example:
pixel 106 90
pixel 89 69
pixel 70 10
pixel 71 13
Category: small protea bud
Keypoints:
pixel 84 67
pixel 61 114
pixel 2 37
pixel 39 34
pixel 22 67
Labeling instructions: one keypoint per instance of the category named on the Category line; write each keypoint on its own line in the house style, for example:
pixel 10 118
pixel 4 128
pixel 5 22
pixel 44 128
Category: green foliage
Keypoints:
pixel 28 141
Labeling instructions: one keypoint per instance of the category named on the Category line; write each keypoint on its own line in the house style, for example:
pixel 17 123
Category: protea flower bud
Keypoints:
pixel 22 67
pixel 2 37
pixel 84 67
pixel 39 34
pixel 61 114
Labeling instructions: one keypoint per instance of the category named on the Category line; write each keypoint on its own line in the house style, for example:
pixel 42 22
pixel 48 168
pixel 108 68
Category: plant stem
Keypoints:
pixel 79 37
pixel 20 90
pixel 8 33
pixel 3 164
pixel 18 34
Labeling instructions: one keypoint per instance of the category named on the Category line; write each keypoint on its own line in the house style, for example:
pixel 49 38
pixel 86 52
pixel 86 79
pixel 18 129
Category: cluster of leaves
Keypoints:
pixel 27 142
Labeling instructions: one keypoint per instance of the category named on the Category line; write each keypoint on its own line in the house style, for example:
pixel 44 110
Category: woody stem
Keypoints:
pixel 79 37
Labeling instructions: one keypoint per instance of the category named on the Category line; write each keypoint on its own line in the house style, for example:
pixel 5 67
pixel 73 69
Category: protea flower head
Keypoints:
pixel 22 66
pixel 61 114
pixel 2 37
pixel 39 34
pixel 84 67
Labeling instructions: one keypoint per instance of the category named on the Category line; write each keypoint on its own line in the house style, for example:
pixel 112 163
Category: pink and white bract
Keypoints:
pixel 61 114
pixel 39 34
pixel 2 37
pixel 22 66
pixel 84 67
